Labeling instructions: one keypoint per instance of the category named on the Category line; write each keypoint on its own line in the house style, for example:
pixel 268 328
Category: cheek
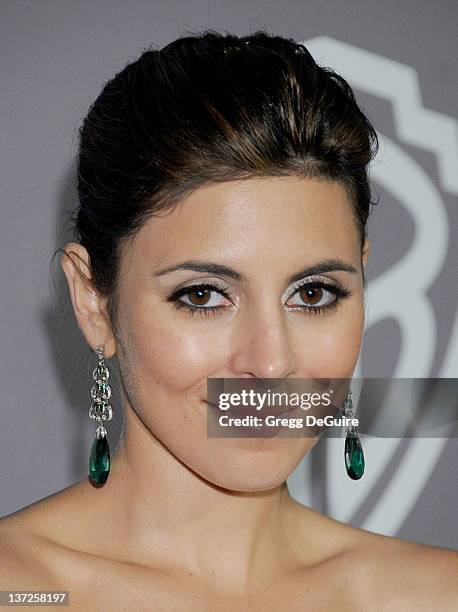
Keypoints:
pixel 338 343
pixel 172 352
pixel 329 346
pixel 176 352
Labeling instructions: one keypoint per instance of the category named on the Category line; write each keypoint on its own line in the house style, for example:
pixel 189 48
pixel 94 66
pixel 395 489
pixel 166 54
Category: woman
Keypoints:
pixel 224 195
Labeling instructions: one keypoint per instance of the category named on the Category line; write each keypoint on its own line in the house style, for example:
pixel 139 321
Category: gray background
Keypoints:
pixel 55 56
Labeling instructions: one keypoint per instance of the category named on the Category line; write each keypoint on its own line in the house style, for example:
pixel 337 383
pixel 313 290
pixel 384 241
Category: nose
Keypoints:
pixel 262 345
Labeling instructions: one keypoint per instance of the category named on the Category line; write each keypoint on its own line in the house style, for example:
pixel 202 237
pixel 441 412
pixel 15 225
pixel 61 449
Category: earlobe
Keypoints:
pixel 88 304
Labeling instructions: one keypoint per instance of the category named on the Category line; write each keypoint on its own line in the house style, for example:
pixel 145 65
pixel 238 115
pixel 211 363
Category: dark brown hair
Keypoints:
pixel 210 108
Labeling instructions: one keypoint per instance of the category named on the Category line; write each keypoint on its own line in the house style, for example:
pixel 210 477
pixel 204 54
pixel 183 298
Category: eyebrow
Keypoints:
pixel 324 265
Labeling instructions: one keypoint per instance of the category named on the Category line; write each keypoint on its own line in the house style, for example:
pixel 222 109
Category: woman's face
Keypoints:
pixel 252 321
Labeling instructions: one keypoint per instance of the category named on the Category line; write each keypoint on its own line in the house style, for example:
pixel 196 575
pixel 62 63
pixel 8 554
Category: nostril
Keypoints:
pixel 267 383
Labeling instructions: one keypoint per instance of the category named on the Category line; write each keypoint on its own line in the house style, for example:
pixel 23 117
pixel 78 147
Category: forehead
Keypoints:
pixel 254 218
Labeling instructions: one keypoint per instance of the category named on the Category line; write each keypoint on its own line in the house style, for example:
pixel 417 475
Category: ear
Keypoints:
pixel 366 251
pixel 89 306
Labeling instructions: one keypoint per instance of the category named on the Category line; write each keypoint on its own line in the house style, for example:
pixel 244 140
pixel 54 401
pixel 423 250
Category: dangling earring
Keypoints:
pixel 354 455
pixel 99 459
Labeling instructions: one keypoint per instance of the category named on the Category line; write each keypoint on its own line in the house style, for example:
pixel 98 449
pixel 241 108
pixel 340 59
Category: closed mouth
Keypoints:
pixel 238 412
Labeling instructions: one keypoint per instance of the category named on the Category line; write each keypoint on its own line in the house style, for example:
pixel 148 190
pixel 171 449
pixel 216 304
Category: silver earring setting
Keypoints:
pixel 101 411
pixel 354 455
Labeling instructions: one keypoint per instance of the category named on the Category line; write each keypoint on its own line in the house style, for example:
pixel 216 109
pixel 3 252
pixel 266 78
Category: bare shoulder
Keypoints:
pixel 30 561
pixel 24 562
pixel 394 572
pixel 29 554
pixel 376 572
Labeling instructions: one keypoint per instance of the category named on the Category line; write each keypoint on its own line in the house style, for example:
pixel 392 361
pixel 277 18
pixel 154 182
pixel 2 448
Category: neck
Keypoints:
pixel 163 514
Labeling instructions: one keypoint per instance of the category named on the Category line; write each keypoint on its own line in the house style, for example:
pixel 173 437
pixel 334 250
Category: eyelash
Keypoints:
pixel 211 310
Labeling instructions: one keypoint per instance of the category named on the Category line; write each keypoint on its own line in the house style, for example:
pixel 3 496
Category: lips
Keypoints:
pixel 241 411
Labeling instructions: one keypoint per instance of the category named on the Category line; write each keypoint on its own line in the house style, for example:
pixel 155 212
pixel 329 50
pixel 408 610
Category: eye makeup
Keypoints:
pixel 203 290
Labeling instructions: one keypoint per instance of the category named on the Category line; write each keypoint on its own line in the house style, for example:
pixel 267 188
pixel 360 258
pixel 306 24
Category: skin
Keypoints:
pixel 188 522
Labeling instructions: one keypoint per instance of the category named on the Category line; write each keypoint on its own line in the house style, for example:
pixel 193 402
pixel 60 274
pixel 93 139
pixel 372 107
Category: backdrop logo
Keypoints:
pixel 397 470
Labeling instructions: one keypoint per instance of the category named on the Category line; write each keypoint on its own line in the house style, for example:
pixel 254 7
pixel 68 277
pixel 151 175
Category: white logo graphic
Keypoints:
pixel 411 186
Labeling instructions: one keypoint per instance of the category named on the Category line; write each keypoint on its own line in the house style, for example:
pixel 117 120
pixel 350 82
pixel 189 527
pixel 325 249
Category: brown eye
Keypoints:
pixel 311 295
pixel 201 296
pixel 203 299
pixel 316 296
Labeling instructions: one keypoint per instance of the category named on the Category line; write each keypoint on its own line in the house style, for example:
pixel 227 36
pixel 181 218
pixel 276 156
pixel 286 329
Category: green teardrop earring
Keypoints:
pixel 99 458
pixel 354 455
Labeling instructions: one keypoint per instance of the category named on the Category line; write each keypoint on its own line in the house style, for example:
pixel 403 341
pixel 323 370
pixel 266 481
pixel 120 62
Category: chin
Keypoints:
pixel 254 465
pixel 248 482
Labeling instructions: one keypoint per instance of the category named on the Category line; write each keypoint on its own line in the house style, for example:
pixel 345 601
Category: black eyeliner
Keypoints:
pixel 339 292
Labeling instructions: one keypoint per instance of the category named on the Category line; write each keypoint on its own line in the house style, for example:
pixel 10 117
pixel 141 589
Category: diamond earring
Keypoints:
pixel 100 410
pixel 354 455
